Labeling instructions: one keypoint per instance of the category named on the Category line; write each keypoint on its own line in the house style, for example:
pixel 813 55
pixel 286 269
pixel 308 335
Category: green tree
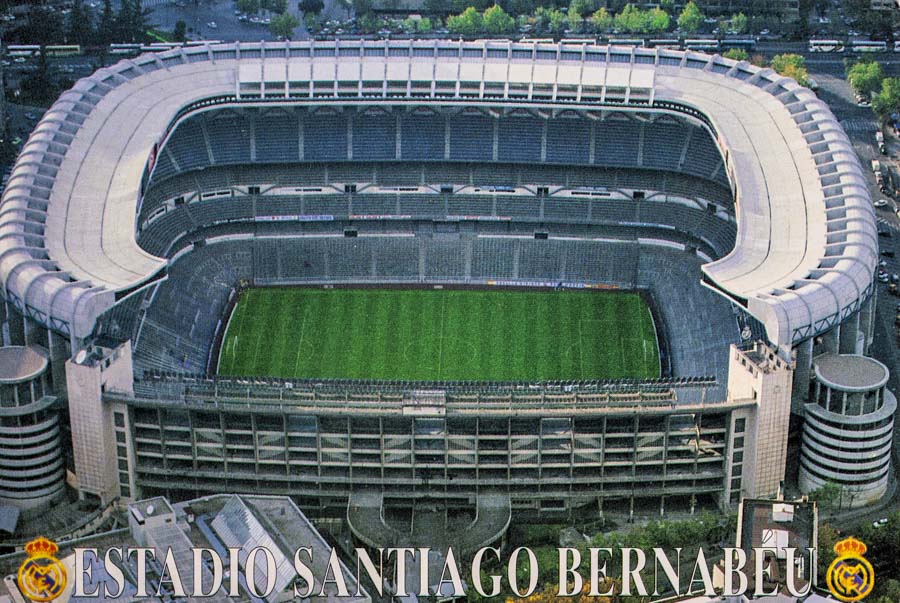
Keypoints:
pixel 44 27
pixel 828 537
pixel 737 54
pixel 310 7
pixel 180 32
pixel 658 20
pixel 691 17
pixel 420 25
pixel 793 66
pixel 865 77
pixel 80 26
pixel 602 20
pixel 313 23
pixel 107 26
pixel 887 101
pixel 583 8
pixel 828 497
pixel 558 21
pixel 890 590
pixel 550 19
pixel 630 19
pixel 468 23
pixel 283 26
pixel 497 21
pixel 740 23
pixel 576 21
pixel 40 88
pixel 131 21
pixel 249 7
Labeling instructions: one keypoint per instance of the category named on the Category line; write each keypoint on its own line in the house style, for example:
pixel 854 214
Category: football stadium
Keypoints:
pixel 499 277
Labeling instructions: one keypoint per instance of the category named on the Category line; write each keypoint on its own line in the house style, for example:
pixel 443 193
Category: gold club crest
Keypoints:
pixel 42 577
pixel 850 577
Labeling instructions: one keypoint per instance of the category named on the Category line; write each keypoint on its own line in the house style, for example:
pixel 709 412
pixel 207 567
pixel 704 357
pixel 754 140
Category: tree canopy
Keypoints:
pixel 740 23
pixel 602 20
pixel 497 21
pixel 793 66
pixel 887 101
pixel 865 77
pixel 313 7
pixel 467 23
pixel 283 25
pixel 737 54
pixel 691 17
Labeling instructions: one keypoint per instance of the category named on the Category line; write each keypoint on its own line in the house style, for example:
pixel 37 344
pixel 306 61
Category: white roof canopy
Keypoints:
pixel 806 245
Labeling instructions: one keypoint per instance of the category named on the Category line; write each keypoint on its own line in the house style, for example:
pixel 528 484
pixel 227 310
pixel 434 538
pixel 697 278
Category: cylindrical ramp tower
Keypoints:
pixel 32 469
pixel 848 429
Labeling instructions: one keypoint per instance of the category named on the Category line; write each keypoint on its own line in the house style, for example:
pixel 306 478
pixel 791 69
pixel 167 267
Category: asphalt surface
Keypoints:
pixel 200 16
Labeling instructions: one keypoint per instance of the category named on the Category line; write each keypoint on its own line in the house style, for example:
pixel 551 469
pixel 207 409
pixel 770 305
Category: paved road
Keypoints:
pixel 199 14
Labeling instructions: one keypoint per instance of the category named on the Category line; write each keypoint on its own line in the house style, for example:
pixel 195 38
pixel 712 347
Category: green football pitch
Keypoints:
pixel 429 335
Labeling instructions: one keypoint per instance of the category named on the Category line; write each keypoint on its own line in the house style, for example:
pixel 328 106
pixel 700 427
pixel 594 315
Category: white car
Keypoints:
pixel 212 25
pixel 882 203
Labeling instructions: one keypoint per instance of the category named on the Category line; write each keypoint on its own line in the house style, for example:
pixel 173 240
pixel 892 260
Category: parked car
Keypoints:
pixel 882 203
pixel 888 253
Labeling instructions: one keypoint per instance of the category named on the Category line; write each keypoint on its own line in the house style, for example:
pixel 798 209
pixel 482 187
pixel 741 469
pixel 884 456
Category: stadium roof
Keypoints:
pixel 806 246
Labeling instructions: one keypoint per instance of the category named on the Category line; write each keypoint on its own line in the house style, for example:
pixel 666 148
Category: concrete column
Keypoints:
pixel 802 372
pixel 849 335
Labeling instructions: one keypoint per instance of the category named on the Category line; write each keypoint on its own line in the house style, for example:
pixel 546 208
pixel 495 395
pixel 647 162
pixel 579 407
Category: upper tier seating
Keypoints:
pixel 228 137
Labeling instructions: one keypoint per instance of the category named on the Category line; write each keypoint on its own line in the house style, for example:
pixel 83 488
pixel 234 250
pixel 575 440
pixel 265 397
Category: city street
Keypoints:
pixel 201 14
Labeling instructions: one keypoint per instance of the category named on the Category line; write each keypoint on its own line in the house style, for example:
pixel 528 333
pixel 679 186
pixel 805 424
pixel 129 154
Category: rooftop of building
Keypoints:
pixel 850 372
pixel 21 363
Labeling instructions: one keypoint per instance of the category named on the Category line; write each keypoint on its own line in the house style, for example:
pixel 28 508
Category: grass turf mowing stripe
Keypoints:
pixel 418 335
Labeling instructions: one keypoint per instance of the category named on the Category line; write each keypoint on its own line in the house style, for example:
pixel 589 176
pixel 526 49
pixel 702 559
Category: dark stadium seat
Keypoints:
pixel 568 141
pixel 229 138
pixel 374 136
pixel 422 137
pixel 519 139
pixel 324 137
pixel 277 138
pixel 471 138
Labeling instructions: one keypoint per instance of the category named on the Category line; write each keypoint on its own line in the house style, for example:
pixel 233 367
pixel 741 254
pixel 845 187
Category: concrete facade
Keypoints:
pixel 32 468
pixel 759 448
pixel 848 429
pixel 94 439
